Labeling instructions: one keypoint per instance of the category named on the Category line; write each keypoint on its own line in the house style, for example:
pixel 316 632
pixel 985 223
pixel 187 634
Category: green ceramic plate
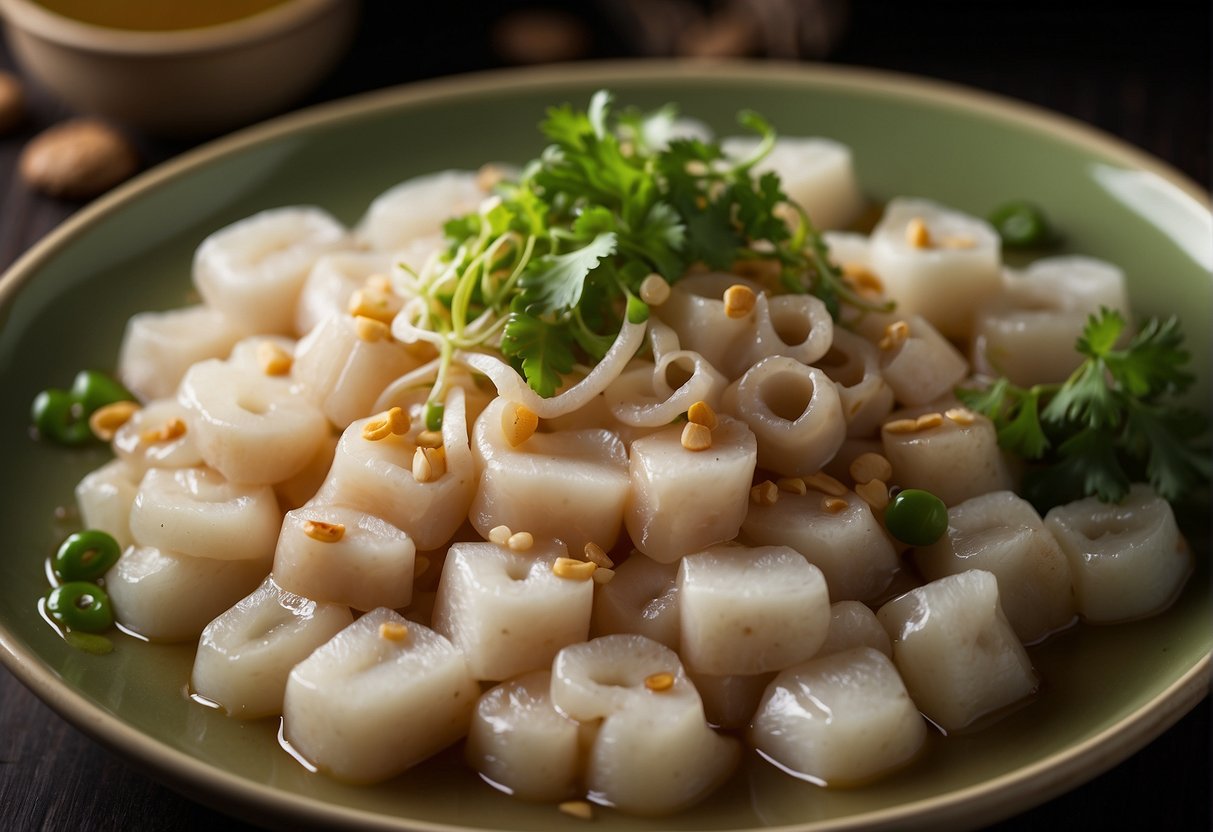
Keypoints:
pixel 1107 691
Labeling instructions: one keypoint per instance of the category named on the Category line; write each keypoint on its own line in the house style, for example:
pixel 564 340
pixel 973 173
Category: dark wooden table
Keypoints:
pixel 1138 71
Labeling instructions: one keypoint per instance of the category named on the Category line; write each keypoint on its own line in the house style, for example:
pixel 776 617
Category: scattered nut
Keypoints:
pixel 917 234
pixel 520 541
pixel 826 484
pixel 391 422
pixel 323 531
pixel 595 554
pixel 659 681
pixel 172 429
pixel 500 535
pixel 961 416
pixel 870 466
pixel 105 421
pixel 875 493
pixel 274 360
pixel 577 570
pixel 371 330
pixel 518 423
pixel 393 631
pixel 928 420
pixel 696 437
pixel 834 505
pixel 895 334
pixel 766 493
pixel 578 809
pixel 739 300
pixel 701 413
pixel 792 485
pixel 77 159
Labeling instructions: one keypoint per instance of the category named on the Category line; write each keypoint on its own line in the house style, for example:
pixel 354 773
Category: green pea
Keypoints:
pixel 58 417
pixel 1021 225
pixel 92 390
pixel 916 517
pixel 86 556
pixel 82 606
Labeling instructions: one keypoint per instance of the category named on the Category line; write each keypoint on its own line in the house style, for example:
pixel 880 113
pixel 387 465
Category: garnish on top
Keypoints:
pixel 1112 422
pixel 548 269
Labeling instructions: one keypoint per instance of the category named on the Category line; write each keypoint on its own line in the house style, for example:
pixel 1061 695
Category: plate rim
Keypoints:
pixel 984 802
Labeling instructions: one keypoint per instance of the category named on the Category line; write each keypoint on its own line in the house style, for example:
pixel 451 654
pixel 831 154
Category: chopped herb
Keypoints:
pixel 1112 422
pixel 550 268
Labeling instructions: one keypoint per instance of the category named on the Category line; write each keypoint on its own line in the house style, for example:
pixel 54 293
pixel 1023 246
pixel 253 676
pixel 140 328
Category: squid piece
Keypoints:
pixel 936 262
pixel 794 326
pixel 642 598
pixel 956 651
pixel 1027 332
pixel 640 692
pixel 853 364
pixel 916 361
pixel 377 476
pixel 839 720
pixel 509 612
pixel 520 743
pixel 568 486
pixel 750 610
pixel 196 512
pixel 251 427
pixel 245 655
pixel 954 454
pixel 695 310
pixel 682 501
pixel 1001 533
pixel 852 625
pixel 730 701
pixel 253 270
pixel 839 535
pixel 156 436
pixel 331 282
pixel 342 555
pixel 818 174
pixel 1128 559
pixel 418 207
pixel 794 411
pixel 167 596
pixel 344 374
pixel 158 347
pixel 105 497
pixel 379 697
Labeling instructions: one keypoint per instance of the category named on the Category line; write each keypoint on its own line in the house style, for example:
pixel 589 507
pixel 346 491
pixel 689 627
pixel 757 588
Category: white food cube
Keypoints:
pixel 640 691
pixel 167 596
pixel 342 555
pixel 158 347
pixel 379 697
pixel 331 282
pixel 641 598
pixel 955 460
pixel 245 655
pixel 521 743
pixel 249 426
pixel 105 497
pixel 839 720
pixel 1128 559
pixel 816 173
pixel 376 475
pixel 1001 533
pixel 1027 332
pixel 682 501
pixel 343 373
pixel 920 367
pixel 566 485
pixel 852 625
pixel 195 511
pixel 750 610
pixel 509 612
pixel 253 270
pixel 942 275
pixel 847 544
pixel 956 650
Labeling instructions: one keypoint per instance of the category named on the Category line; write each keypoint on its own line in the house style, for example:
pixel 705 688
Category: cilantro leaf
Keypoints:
pixel 543 349
pixel 556 282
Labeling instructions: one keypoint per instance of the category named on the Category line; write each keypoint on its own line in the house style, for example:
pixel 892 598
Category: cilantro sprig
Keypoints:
pixel 549 270
pixel 1112 422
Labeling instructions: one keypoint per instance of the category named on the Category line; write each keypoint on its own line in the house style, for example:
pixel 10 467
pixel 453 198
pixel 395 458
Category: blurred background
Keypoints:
pixel 1140 71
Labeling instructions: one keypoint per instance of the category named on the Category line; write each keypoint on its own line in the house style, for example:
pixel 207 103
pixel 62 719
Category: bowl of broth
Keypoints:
pixel 184 68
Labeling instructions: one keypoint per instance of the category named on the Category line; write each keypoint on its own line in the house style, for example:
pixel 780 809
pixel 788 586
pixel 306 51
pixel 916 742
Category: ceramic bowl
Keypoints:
pixel 187 81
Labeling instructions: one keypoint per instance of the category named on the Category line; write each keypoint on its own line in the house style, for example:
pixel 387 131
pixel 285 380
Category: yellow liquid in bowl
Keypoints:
pixel 157 15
